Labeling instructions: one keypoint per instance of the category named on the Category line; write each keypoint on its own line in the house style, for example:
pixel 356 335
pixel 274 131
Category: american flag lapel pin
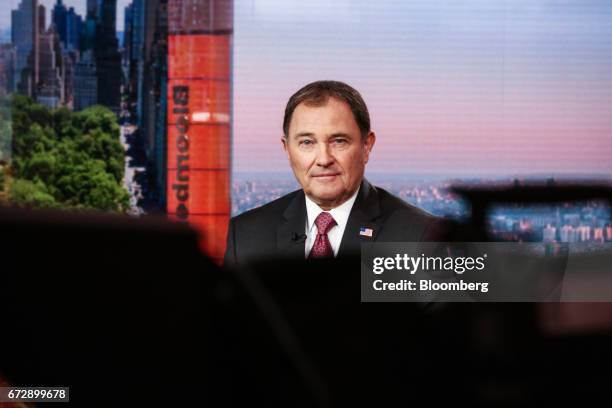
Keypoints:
pixel 366 232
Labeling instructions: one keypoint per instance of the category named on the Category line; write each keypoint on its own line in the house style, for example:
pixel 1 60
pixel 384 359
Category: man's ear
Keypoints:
pixel 368 145
pixel 284 142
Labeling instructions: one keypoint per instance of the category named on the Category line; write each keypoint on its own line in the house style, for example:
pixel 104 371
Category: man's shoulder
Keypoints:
pixel 273 209
pixel 253 234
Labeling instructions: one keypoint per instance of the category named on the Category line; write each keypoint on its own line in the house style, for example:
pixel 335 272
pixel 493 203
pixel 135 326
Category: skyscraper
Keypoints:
pixel 127 32
pixel 85 82
pixel 138 21
pixel 145 72
pixel 58 18
pixel 50 87
pixel 107 19
pixel 92 8
pixel 137 63
pixel 88 34
pixel 7 68
pixel 108 58
pixel 74 26
pixel 69 61
pixel 160 65
pixel 199 89
pixel 129 64
pixel 85 70
pixel 24 36
pixel 42 18
pixel 68 25
pixel 151 107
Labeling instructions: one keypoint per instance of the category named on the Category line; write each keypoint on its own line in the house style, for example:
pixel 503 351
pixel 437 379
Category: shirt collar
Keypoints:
pixel 340 213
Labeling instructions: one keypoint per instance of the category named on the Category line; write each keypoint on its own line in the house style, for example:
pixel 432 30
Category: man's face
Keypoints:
pixel 326 151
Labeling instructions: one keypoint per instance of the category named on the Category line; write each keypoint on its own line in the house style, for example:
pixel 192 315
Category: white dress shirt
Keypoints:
pixel 340 214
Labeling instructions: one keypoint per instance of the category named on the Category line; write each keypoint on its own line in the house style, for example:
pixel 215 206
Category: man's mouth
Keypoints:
pixel 326 176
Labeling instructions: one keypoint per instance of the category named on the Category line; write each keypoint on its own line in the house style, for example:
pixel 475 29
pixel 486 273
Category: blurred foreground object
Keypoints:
pixel 555 318
pixel 128 312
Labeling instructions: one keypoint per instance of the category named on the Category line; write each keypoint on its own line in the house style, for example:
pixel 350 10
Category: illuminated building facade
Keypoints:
pixel 199 107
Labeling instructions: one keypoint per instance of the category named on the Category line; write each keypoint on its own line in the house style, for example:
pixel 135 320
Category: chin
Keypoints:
pixel 327 196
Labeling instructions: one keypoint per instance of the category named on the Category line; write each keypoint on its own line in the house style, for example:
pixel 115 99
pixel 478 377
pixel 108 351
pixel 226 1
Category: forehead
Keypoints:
pixel 333 116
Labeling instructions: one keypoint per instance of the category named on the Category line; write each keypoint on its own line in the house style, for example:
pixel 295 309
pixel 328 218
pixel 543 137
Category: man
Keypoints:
pixel 328 141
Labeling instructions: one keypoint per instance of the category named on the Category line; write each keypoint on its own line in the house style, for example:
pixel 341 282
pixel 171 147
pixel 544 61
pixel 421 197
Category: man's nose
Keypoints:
pixel 324 156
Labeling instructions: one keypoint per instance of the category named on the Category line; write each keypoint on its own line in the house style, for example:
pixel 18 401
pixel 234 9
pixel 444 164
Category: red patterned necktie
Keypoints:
pixel 322 247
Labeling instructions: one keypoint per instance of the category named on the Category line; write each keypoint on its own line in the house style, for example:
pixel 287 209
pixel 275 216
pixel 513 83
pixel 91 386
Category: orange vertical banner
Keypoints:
pixel 199 118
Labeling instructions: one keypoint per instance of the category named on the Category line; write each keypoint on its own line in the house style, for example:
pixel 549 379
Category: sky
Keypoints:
pixel 79 6
pixel 472 87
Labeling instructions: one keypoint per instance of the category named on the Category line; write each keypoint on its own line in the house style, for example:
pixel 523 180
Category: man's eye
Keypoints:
pixel 340 141
pixel 305 142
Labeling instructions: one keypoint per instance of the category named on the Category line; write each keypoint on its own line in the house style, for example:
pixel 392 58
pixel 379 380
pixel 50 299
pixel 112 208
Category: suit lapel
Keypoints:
pixel 294 222
pixel 363 215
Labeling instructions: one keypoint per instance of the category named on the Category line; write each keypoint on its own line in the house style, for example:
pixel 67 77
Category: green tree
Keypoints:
pixel 96 118
pixel 66 160
pixel 25 193
pixel 89 186
pixel 99 145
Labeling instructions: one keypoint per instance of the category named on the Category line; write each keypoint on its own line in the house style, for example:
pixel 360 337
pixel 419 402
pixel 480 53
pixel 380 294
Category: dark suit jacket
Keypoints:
pixel 276 229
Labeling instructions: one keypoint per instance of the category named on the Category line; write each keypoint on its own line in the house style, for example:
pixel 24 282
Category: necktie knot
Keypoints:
pixel 324 222
pixel 322 247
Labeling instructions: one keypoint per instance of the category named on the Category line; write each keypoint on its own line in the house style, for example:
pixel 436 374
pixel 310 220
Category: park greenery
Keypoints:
pixel 60 159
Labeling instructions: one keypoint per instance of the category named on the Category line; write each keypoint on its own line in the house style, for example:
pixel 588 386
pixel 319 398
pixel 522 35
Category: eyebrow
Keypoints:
pixel 341 135
pixel 308 134
pixel 303 134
